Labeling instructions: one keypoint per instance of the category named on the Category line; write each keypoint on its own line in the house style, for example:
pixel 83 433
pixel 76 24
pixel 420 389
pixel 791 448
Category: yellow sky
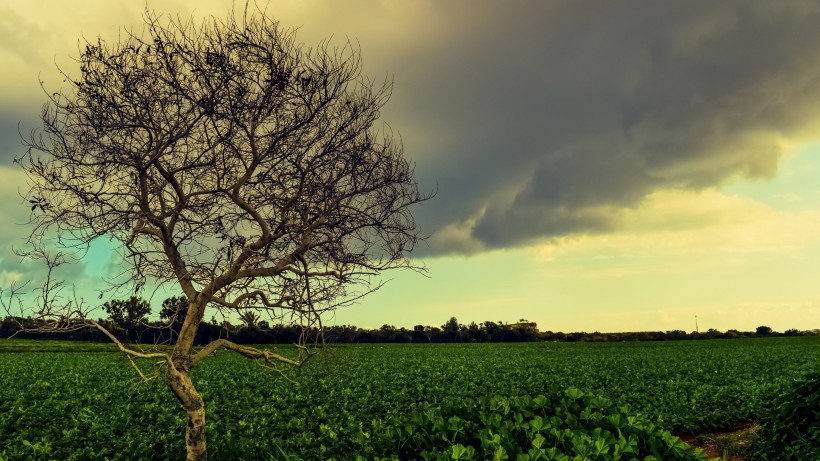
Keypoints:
pixel 732 261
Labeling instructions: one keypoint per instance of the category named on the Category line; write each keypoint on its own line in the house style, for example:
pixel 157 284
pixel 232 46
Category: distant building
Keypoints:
pixel 528 326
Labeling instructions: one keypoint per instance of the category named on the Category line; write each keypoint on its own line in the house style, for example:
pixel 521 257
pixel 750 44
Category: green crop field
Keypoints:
pixel 440 401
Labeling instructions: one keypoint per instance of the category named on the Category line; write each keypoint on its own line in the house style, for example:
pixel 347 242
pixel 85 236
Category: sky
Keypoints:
pixel 599 166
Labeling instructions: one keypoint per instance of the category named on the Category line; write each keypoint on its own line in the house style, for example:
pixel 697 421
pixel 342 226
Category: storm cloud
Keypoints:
pixel 535 119
pixel 543 119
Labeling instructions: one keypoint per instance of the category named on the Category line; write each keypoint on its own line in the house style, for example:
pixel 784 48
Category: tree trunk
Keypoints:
pixel 195 435
pixel 179 380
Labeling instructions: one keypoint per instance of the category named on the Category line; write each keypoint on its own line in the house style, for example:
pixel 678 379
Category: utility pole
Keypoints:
pixel 696 325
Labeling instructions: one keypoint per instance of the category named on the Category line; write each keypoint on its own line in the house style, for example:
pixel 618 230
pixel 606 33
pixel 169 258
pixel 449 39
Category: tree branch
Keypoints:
pixel 247 351
pixel 126 350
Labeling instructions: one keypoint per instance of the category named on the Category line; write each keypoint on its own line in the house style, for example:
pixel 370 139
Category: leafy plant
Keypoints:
pixel 73 400
pixel 560 426
pixel 791 430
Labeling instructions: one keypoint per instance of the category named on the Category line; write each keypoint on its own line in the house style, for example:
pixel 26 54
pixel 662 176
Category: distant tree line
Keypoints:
pixel 129 320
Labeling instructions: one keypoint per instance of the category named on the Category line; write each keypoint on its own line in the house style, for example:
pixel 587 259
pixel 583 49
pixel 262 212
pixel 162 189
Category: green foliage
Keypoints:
pixel 17 345
pixel 84 406
pixel 451 326
pixel 353 400
pixel 127 312
pixel 560 426
pixel 174 310
pixel 763 330
pixel 790 430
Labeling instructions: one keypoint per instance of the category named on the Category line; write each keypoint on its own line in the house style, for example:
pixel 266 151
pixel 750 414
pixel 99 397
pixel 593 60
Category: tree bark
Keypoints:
pixel 179 380
pixel 195 444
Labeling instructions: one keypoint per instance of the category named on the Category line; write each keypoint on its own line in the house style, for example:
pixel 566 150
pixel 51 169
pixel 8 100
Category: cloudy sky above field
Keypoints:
pixel 610 166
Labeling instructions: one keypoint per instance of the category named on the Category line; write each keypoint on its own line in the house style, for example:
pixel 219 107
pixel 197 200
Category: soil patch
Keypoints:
pixel 728 445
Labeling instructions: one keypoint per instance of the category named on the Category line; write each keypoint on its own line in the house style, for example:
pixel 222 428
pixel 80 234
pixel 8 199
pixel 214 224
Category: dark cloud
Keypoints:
pixel 12 124
pixel 9 138
pixel 536 117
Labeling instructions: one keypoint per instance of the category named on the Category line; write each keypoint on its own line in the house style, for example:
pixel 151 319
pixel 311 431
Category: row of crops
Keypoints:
pixel 550 401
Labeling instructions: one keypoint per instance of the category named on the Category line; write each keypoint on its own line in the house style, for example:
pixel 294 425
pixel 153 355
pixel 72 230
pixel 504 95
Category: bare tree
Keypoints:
pixel 231 161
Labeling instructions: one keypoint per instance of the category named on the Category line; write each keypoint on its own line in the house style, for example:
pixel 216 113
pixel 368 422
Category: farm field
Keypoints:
pixel 80 401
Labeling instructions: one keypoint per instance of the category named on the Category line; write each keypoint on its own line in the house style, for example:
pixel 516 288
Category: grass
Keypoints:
pixel 734 445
